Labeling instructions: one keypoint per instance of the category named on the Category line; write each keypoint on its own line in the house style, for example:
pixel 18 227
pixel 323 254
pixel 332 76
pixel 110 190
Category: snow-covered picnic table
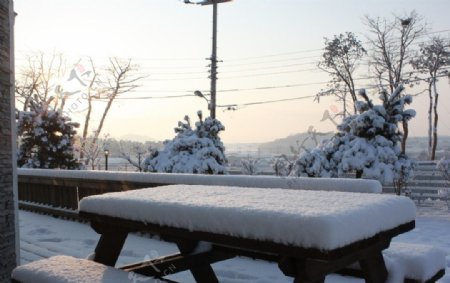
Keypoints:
pixel 309 233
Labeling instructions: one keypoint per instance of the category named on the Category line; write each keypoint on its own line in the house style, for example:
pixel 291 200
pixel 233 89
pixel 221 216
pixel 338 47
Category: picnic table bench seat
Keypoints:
pixel 409 263
pixel 66 269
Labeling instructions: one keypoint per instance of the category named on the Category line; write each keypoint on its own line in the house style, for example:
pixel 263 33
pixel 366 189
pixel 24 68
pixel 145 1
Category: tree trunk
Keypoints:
pixel 405 136
pixel 430 122
pixel 435 135
pixel 88 114
pixel 7 166
pixel 359 174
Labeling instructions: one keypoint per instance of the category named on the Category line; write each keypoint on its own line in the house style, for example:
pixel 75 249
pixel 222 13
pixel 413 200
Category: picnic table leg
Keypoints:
pixel 203 273
pixel 301 280
pixel 303 271
pixel 109 245
pixel 374 268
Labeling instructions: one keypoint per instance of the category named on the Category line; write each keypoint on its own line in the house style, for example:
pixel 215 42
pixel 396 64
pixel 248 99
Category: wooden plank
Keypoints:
pixel 166 265
pixel 49 210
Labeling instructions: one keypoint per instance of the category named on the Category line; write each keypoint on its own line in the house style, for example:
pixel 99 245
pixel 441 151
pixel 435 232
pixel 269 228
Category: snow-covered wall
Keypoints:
pixel 326 184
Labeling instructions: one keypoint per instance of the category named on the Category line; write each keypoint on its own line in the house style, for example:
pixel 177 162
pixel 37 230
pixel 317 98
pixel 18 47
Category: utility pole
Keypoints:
pixel 213 71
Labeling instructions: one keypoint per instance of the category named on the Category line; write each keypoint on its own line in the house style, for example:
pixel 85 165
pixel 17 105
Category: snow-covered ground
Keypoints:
pixel 44 236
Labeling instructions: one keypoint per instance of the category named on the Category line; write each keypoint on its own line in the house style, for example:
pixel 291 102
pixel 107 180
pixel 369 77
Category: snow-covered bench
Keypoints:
pixel 409 263
pixel 309 233
pixel 66 269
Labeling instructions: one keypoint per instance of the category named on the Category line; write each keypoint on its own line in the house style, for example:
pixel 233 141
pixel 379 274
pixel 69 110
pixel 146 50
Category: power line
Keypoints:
pixel 315 50
pixel 269 74
pixel 277 100
pixel 154 97
pixel 275 55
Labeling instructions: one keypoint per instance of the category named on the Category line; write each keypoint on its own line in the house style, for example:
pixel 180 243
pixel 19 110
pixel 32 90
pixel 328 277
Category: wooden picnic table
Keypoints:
pixel 308 233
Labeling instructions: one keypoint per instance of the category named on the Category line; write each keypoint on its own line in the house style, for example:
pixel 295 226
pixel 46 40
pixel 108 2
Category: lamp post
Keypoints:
pixel 213 72
pixel 106 151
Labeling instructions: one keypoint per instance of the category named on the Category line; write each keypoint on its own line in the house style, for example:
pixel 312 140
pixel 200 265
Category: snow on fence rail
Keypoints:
pixel 64 188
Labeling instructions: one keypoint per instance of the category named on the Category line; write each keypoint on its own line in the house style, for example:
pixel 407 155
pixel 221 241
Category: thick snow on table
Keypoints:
pixel 309 219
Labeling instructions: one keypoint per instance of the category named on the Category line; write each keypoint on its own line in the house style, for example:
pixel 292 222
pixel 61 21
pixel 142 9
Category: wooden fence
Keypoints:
pixel 58 192
pixel 60 195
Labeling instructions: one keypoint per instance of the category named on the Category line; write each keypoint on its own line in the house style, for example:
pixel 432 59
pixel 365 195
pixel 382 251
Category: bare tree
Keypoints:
pixel 340 60
pixel 94 151
pixel 93 92
pixel 137 149
pixel 38 80
pixel 430 61
pixel 250 166
pixel 391 43
pixel 118 79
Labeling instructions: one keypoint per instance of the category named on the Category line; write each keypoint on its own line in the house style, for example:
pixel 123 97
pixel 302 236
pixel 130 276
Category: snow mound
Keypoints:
pixel 417 261
pixel 66 269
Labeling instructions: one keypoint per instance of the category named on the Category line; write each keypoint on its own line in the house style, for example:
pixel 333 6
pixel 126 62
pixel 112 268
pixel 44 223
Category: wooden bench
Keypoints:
pixel 410 263
pixel 66 269
pixel 310 234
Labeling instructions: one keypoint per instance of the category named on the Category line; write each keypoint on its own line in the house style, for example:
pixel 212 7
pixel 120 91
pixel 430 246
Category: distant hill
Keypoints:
pixel 134 137
pixel 294 143
pixel 416 146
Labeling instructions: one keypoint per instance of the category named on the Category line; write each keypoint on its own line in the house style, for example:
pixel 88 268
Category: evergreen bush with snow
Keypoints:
pixel 46 139
pixel 196 150
pixel 367 144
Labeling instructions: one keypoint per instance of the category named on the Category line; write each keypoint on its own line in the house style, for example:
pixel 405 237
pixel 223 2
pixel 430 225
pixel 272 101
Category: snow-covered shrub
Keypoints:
pixel 367 144
pixel 312 163
pixel 250 166
pixel 196 150
pixel 46 139
pixel 282 166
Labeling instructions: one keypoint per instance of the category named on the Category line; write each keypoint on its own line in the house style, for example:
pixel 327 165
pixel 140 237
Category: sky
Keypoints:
pixel 268 49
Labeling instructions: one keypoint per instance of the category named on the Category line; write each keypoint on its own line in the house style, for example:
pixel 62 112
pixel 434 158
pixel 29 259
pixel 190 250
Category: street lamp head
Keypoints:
pixel 198 93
